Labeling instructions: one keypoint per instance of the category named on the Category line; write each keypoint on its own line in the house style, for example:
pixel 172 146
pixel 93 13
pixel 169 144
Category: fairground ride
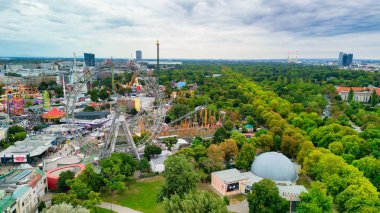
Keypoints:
pixel 201 122
pixel 145 125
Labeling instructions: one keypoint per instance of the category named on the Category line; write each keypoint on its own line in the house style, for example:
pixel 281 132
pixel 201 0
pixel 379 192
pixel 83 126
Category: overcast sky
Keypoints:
pixel 210 29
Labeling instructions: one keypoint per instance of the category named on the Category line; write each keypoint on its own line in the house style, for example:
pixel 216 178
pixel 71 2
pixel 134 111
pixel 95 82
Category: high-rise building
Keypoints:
pixel 349 59
pixel 344 62
pixel 89 59
pixel 138 55
pixel 340 60
pixel 345 59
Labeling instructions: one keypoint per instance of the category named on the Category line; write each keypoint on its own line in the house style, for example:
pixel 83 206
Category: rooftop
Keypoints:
pixel 358 89
pixel 229 175
pixel 54 114
pixel 6 202
pixel 291 192
pixel 32 146
pixel 20 191
pixel 92 115
pixel 274 166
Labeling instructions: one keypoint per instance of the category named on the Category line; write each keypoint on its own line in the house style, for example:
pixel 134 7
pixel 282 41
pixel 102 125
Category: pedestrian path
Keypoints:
pixel 117 208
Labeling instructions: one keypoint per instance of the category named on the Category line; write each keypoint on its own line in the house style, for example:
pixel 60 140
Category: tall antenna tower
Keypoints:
pixel 158 61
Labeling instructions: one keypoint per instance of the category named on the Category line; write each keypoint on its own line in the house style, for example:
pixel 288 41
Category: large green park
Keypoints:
pixel 293 109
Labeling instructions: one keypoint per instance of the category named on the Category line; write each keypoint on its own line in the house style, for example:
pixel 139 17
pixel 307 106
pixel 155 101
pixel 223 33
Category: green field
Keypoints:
pixel 140 195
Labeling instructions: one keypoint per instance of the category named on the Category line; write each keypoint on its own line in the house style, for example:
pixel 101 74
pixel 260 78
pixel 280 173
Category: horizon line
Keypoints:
pixel 153 59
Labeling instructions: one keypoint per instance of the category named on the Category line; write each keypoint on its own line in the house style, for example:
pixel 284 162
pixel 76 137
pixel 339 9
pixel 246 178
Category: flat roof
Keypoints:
pixel 92 115
pixel 61 128
pixel 291 192
pixel 252 178
pixel 34 146
pixel 229 175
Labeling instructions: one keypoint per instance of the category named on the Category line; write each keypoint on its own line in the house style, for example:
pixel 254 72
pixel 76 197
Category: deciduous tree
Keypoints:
pixel 315 200
pixel 246 156
pixel 62 180
pixel 350 95
pixel 202 202
pixel 180 177
pixel 374 98
pixel 265 198
pixel 170 142
pixel 266 142
pixel 151 150
pixel 370 166
pixel 230 149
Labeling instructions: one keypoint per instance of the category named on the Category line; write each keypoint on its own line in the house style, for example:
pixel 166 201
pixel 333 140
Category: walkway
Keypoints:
pixel 241 207
pixel 356 127
pixel 117 208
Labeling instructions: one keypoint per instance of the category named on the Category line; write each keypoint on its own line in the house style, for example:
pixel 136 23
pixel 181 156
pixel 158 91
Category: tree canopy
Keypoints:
pixel 180 177
pixel 265 197
pixel 62 180
pixel 202 202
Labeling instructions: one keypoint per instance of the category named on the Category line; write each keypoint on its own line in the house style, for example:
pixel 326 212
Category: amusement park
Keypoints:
pixel 92 110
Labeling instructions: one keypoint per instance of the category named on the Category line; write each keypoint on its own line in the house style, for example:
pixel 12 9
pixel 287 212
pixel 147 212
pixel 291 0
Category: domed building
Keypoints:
pixel 274 166
pixel 270 165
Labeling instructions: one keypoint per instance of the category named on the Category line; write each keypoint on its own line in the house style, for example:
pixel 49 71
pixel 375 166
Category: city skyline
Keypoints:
pixel 191 29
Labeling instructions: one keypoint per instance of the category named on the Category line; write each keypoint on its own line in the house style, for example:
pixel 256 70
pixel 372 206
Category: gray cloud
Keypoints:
pixel 316 18
pixel 118 22
pixel 192 28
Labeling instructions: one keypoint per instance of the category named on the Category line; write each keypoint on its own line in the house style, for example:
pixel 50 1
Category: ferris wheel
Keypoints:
pixel 127 133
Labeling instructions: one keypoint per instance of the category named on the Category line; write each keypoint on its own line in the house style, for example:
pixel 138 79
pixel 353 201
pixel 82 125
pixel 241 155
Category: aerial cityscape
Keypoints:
pixel 189 106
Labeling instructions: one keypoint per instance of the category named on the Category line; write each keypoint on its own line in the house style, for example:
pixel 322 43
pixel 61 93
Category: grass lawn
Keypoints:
pixel 234 199
pixel 201 187
pixel 101 210
pixel 140 195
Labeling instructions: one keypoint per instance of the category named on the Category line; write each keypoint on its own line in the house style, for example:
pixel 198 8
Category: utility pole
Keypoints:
pixel 158 62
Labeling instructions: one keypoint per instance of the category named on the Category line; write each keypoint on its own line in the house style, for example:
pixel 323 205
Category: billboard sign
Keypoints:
pixel 19 158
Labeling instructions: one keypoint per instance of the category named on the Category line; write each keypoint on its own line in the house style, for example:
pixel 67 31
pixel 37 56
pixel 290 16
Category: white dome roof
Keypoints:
pixel 274 166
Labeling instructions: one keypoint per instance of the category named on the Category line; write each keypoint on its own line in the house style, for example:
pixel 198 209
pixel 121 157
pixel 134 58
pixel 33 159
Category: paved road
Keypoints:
pixel 326 110
pixel 117 208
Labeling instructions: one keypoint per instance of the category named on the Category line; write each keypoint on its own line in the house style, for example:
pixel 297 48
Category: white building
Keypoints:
pixel 361 94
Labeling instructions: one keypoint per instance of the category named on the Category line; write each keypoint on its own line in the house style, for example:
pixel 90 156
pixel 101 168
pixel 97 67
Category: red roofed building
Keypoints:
pixel 53 114
pixel 53 174
pixel 361 94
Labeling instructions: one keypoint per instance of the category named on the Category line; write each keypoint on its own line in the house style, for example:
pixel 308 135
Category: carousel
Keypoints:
pixel 53 115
